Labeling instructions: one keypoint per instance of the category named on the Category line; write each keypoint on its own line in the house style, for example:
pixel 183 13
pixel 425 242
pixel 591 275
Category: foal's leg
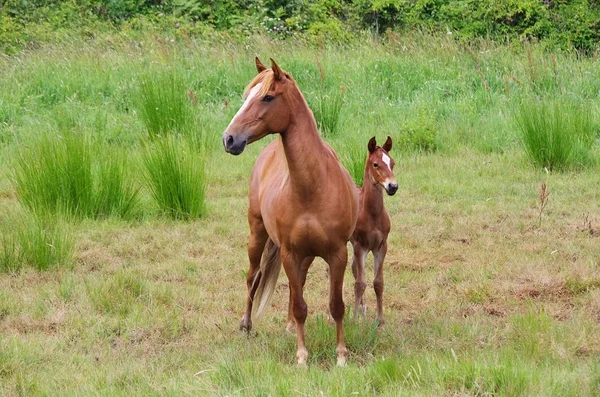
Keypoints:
pixel 360 282
pixel 379 256
pixel 256 245
pixel 337 268
pixel 291 322
pixel 293 270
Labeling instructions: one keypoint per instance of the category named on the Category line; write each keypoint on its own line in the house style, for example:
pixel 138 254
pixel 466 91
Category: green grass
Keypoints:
pixel 163 104
pixel 71 176
pixel 43 244
pixel 558 134
pixel 176 177
pixel 327 109
pixel 480 298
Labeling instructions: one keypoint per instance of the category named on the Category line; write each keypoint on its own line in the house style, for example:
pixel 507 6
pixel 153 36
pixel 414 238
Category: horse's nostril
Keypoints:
pixel 229 141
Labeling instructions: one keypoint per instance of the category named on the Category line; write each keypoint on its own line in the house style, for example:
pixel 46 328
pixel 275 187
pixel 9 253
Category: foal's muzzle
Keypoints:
pixel 233 144
pixel 391 189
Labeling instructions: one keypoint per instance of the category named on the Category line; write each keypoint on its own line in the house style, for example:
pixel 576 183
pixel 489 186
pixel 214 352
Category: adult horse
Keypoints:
pixel 302 202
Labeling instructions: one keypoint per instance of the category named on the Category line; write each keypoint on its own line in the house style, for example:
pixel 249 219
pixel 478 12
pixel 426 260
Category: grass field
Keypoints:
pixel 488 290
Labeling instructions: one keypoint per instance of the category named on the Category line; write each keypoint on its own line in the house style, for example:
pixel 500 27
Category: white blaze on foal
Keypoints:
pixel 251 95
pixel 386 159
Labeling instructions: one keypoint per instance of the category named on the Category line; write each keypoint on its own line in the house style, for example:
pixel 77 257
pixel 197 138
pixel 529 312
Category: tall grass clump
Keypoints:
pixel 176 177
pixel 327 109
pixel 556 135
pixel 71 176
pixel 353 156
pixel 40 243
pixel 163 104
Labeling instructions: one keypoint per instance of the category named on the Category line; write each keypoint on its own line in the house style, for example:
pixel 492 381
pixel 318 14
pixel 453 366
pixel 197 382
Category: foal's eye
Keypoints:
pixel 268 98
pixel 375 165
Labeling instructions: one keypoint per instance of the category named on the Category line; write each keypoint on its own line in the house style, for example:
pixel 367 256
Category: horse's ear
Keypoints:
pixel 387 146
pixel 259 65
pixel 372 145
pixel 277 72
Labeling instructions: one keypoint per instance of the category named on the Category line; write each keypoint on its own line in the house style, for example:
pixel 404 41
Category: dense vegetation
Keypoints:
pixel 559 23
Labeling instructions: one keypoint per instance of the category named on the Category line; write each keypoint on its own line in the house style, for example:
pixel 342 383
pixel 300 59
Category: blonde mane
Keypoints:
pixel 267 78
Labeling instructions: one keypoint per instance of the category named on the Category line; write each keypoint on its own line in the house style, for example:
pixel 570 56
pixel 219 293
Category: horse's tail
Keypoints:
pixel 270 266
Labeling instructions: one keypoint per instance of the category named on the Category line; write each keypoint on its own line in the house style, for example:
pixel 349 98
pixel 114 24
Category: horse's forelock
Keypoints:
pixel 267 78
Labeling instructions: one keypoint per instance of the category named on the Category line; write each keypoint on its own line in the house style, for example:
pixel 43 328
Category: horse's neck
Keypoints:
pixel 304 150
pixel 372 196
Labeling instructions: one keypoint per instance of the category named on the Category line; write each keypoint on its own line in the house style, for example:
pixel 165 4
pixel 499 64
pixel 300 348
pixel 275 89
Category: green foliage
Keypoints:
pixel 556 135
pixel 176 177
pixel 71 176
pixel 566 24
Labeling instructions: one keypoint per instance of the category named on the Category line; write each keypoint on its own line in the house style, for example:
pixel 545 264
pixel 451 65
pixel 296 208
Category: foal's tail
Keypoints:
pixel 270 266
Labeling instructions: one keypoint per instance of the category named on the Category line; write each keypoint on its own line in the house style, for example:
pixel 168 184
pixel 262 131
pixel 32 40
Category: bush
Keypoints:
pixel 73 177
pixel 419 133
pixel 556 135
pixel 176 177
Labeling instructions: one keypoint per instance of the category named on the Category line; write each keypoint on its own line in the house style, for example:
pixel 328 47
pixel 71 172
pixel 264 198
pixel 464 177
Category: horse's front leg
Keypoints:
pixel 378 257
pixel 256 245
pixel 293 269
pixel 291 322
pixel 337 267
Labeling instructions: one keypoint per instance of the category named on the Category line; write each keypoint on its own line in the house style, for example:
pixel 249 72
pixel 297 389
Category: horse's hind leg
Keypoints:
pixel 256 245
pixel 360 282
pixel 337 268
pixel 291 322
pixel 379 256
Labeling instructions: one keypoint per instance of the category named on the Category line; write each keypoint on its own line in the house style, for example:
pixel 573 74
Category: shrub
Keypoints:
pixel 556 135
pixel 71 176
pixel 176 177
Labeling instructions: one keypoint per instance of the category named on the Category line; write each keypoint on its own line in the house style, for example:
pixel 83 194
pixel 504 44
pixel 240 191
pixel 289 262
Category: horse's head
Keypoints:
pixel 381 166
pixel 265 109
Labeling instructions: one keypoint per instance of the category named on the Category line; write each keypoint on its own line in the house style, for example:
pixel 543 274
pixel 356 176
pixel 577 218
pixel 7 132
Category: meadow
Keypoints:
pixel 123 221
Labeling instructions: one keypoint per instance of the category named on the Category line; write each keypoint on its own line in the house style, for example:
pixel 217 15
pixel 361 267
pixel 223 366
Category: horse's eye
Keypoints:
pixel 268 98
pixel 375 165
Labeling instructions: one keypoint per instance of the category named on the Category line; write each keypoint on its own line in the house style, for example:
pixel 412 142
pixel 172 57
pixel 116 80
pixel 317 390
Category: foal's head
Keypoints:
pixel 380 166
pixel 265 110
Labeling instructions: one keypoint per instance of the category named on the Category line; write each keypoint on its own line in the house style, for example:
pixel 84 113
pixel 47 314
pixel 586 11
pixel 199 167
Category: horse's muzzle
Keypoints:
pixel 234 145
pixel 391 189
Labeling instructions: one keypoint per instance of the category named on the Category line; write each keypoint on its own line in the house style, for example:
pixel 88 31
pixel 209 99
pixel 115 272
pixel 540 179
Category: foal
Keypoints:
pixel 302 201
pixel 373 225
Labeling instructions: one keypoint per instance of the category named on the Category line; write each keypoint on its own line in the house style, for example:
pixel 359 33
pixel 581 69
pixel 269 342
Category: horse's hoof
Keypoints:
pixel 291 328
pixel 302 356
pixel 380 322
pixel 245 325
pixel 342 352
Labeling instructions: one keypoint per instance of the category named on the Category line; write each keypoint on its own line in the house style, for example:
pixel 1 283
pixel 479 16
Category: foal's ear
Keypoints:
pixel 277 72
pixel 372 145
pixel 259 65
pixel 387 146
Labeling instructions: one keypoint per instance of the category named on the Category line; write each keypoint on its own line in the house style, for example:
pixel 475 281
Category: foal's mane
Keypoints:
pixel 267 78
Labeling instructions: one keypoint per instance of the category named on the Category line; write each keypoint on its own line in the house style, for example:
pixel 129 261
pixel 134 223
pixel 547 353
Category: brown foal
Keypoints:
pixel 302 201
pixel 373 225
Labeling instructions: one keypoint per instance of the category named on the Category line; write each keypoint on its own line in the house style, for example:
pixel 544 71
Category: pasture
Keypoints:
pixel 129 277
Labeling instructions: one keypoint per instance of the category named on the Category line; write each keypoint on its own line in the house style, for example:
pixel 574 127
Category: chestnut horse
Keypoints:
pixel 302 201
pixel 373 225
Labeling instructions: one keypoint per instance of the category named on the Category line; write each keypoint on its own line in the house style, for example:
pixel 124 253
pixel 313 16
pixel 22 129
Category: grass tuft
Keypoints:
pixel 163 104
pixel 71 176
pixel 353 156
pixel 557 135
pixel 327 109
pixel 176 177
